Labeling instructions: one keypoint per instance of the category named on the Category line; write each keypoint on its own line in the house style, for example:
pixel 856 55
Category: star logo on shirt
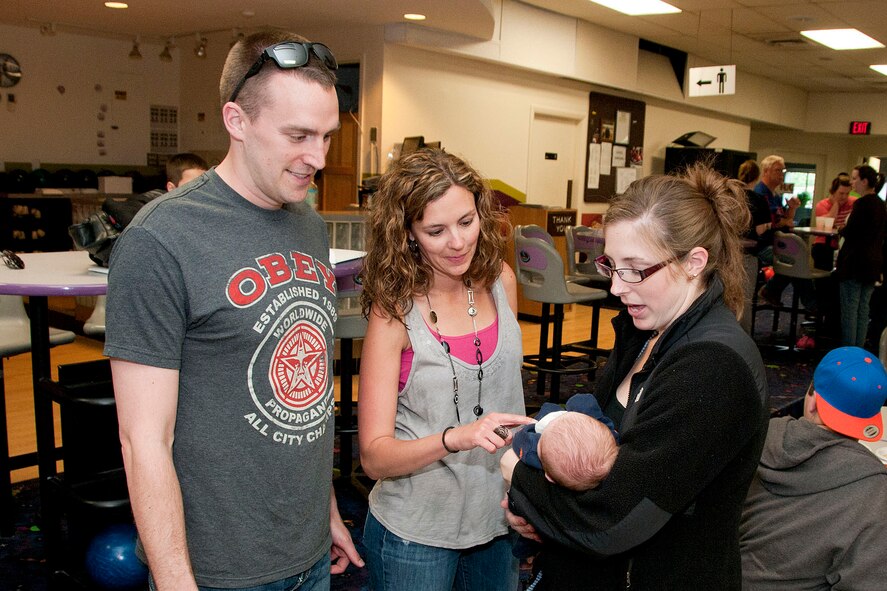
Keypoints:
pixel 298 371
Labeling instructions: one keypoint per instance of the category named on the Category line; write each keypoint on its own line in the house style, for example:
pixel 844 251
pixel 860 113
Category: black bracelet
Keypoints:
pixel 443 439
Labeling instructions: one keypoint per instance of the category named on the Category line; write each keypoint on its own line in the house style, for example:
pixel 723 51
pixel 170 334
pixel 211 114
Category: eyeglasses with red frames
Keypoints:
pixel 628 275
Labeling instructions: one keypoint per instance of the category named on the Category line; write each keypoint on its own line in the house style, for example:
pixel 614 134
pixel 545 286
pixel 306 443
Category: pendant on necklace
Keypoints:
pixel 478 410
pixel 433 317
pixel 472 311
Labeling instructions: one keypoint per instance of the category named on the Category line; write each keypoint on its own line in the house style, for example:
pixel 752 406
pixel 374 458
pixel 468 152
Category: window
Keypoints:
pixel 800 179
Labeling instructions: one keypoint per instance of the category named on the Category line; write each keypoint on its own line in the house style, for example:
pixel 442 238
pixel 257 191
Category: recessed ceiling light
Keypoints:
pixel 880 68
pixel 639 7
pixel 841 39
pixel 414 17
pixel 116 4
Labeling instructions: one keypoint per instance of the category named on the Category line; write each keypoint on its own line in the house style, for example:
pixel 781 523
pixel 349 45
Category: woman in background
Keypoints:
pixel 837 206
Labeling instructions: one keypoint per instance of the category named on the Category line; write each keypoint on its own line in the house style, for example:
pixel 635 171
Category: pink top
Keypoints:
pixel 822 209
pixel 461 347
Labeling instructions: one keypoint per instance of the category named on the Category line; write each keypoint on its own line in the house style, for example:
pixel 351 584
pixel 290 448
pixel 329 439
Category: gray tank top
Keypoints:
pixel 452 503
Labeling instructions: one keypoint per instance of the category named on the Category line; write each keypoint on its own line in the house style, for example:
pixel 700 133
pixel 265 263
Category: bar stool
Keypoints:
pixel 350 326
pixel 15 338
pixel 791 257
pixel 94 326
pixel 540 270
pixel 584 244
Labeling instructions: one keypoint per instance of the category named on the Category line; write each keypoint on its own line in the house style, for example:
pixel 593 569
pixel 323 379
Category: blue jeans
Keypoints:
pixel 855 297
pixel 398 565
pixel 316 578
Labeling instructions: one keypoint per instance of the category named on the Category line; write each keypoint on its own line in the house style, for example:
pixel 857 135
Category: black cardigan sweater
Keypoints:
pixel 667 516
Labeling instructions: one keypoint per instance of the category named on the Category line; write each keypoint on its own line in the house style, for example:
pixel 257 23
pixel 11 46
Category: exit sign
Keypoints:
pixel 860 127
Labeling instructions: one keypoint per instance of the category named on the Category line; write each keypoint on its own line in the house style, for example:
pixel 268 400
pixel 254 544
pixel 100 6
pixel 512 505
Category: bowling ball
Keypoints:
pixel 63 178
pixel 111 559
pixel 87 179
pixel 40 177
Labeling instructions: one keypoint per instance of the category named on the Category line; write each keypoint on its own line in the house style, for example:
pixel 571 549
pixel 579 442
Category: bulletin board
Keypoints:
pixel 615 155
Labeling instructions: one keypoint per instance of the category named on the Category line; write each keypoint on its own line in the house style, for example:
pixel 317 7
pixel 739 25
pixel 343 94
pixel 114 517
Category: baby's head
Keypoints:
pixel 577 451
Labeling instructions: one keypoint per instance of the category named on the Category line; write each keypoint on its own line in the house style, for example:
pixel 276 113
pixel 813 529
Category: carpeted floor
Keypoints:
pixel 22 565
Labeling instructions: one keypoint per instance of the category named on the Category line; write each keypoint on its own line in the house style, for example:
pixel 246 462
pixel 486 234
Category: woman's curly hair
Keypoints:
pixel 392 276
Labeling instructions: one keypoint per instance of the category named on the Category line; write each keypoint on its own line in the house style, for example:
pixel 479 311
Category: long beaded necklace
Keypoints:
pixel 472 312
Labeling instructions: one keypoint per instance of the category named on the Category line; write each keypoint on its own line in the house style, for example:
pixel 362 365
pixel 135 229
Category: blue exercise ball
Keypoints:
pixel 111 559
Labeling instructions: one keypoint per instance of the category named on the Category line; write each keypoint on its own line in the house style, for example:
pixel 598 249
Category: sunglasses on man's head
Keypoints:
pixel 288 55
pixel 12 260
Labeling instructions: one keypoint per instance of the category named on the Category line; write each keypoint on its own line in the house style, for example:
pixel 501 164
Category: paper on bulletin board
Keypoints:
pixel 606 157
pixel 619 156
pixel 623 127
pixel 594 167
pixel 624 177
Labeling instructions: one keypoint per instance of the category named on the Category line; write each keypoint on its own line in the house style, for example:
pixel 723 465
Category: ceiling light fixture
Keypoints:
pixel 116 5
pixel 165 55
pixel 841 39
pixel 135 54
pixel 879 68
pixel 200 48
pixel 639 7
pixel 414 17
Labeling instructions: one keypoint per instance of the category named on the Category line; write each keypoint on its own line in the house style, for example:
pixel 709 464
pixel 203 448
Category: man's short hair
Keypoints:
pixel 244 54
pixel 179 163
pixel 770 160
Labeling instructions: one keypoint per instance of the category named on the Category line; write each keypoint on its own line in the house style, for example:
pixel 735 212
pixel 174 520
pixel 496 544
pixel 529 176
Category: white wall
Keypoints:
pixel 477 110
pixel 482 112
pixel 833 112
pixel 47 126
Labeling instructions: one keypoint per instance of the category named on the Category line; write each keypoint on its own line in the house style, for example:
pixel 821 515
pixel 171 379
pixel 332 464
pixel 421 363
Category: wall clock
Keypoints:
pixel 10 71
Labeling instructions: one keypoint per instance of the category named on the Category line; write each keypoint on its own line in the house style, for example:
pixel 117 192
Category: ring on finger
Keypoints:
pixel 501 431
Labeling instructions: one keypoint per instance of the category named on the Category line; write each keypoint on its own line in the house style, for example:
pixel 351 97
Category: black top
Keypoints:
pixel 667 515
pixel 861 256
pixel 760 214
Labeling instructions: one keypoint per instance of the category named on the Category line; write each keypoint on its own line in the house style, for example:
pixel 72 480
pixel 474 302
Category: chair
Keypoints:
pixel 791 258
pixel 15 338
pixel 91 492
pixel 350 326
pixel 584 244
pixel 95 324
pixel 540 271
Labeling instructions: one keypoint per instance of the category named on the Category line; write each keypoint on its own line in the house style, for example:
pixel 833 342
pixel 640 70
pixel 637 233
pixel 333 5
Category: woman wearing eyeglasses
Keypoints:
pixel 687 391
pixel 439 380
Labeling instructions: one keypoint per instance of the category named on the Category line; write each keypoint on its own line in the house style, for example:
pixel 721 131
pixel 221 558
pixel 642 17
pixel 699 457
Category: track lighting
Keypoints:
pixel 200 48
pixel 165 55
pixel 135 54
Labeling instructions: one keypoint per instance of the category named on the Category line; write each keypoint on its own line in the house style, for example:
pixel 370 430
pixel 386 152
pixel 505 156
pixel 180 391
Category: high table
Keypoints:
pixel 48 274
pixel 810 231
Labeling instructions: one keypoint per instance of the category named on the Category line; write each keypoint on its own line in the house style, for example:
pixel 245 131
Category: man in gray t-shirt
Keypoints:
pixel 221 307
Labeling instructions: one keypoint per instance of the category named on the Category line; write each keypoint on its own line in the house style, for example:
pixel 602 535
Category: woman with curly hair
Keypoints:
pixel 686 388
pixel 440 379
